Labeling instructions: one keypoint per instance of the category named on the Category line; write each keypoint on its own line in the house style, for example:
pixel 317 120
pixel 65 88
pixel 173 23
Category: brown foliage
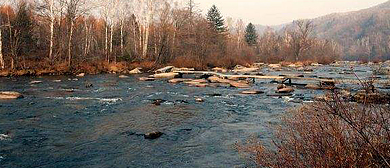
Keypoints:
pixel 333 133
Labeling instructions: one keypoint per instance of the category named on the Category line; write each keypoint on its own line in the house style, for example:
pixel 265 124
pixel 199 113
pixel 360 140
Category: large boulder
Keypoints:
pixel 10 95
pixel 135 71
pixel 166 75
pixel 165 69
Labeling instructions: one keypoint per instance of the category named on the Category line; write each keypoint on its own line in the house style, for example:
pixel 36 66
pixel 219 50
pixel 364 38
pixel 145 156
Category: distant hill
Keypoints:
pixel 363 34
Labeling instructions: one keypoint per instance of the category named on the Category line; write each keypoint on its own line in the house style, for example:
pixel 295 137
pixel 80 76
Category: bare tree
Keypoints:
pixel 74 9
pixel 300 40
pixel 2 66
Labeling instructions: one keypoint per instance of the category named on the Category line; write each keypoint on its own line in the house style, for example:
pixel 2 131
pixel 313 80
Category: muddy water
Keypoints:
pixel 102 126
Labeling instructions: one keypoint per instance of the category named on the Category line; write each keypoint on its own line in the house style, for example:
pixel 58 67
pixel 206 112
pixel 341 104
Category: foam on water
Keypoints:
pixel 110 100
pixel 4 137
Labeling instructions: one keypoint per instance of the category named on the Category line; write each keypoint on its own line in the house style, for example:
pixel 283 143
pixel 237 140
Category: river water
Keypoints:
pixel 102 126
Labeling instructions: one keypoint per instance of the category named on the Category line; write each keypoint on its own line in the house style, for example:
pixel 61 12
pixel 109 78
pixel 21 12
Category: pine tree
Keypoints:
pixel 216 20
pixel 23 29
pixel 251 35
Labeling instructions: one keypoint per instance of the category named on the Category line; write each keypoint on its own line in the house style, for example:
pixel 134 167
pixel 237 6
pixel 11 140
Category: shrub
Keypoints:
pixel 332 133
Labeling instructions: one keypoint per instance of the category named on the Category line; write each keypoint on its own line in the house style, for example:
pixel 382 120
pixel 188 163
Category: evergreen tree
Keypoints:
pixel 216 20
pixel 251 35
pixel 23 26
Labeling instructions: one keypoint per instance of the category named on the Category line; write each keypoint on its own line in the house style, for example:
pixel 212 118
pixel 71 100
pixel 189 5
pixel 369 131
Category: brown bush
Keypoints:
pixel 334 133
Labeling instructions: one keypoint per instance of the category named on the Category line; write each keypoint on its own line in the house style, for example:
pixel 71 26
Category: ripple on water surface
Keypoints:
pixel 61 123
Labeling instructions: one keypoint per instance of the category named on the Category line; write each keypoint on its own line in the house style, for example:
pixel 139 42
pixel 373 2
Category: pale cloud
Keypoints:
pixel 273 12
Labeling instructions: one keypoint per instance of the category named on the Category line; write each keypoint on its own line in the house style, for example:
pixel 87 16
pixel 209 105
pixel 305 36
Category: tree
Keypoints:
pixel 2 66
pixel 300 38
pixel 22 42
pixel 251 35
pixel 216 20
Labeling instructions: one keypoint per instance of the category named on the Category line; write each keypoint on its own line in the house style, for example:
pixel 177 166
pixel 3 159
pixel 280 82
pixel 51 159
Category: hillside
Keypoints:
pixel 363 34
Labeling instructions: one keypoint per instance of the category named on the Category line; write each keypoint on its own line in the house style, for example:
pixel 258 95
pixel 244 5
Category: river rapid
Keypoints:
pixel 61 123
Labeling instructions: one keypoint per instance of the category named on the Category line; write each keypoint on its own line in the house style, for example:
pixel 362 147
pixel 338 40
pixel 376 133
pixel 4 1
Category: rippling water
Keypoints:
pixel 102 126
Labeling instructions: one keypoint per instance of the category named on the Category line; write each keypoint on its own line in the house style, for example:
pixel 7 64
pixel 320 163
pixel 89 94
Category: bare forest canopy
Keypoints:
pixel 71 33
pixel 362 35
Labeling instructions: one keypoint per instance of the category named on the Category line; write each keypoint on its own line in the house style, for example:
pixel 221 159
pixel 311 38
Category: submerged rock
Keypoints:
pixel 35 82
pixel 123 76
pixel 153 135
pixel 279 94
pixel 10 95
pixel 178 80
pixel 88 85
pixel 146 79
pixel 158 102
pixel 313 86
pixel 199 100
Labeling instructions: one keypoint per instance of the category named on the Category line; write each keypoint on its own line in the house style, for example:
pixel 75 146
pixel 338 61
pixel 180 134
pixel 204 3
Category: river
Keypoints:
pixel 62 123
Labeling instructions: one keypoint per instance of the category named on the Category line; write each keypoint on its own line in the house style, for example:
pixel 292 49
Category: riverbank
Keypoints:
pixel 44 68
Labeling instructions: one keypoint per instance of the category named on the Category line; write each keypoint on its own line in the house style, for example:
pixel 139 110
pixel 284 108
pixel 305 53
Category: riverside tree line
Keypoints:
pixel 70 33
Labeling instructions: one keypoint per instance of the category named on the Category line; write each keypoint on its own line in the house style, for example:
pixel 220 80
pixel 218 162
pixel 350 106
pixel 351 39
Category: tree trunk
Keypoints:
pixel 111 36
pixel 2 66
pixel 86 39
pixel 106 46
pixel 70 44
pixel 122 37
pixel 146 39
pixel 51 30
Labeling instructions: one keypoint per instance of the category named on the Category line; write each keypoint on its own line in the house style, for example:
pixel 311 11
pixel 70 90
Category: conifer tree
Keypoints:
pixel 216 20
pixel 251 35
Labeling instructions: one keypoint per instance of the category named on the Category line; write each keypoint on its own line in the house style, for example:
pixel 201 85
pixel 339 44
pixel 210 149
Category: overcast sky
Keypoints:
pixel 274 12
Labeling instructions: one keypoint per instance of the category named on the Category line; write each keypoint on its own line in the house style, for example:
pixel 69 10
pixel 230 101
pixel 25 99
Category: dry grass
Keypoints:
pixel 333 133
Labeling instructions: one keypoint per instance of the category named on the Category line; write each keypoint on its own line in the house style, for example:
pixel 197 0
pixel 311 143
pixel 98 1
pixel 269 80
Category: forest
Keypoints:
pixel 106 35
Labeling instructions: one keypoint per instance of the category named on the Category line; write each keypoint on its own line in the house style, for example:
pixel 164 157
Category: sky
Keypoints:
pixel 275 12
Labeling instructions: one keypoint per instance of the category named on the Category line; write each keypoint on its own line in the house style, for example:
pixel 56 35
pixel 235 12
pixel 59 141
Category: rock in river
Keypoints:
pixel 135 71
pixel 10 95
pixel 252 92
pixel 153 135
pixel 199 100
pixel 166 75
pixel 35 82
pixel 123 76
pixel 80 75
pixel 146 79
pixel 285 90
